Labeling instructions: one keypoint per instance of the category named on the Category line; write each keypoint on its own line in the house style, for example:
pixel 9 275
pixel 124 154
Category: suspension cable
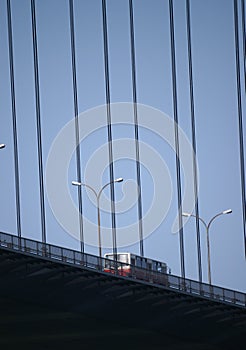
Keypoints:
pixel 38 120
pixel 14 121
pixel 244 43
pixel 76 119
pixel 175 103
pixel 193 127
pixel 134 94
pixel 240 121
pixel 109 125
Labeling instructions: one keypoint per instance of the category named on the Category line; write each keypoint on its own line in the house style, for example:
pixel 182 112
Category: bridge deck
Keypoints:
pixel 49 301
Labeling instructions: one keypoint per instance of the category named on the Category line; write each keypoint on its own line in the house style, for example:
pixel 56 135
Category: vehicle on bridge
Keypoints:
pixel 135 266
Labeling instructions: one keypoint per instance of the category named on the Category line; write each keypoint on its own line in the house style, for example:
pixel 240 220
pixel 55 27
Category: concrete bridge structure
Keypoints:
pixel 54 298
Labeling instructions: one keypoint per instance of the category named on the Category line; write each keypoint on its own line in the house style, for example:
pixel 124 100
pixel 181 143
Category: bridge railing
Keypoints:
pixel 89 261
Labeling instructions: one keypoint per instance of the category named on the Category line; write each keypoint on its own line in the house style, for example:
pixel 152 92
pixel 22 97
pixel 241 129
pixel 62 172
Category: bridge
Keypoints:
pixel 181 63
pixel 53 297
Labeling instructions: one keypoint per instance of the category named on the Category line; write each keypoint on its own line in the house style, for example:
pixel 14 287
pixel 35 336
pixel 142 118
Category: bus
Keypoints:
pixel 135 266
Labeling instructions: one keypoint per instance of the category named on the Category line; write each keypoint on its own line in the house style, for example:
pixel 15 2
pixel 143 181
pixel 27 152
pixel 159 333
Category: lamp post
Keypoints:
pixel 97 194
pixel 2 145
pixel 207 226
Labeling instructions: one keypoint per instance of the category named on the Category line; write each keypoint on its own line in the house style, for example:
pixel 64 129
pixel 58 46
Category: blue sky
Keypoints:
pixel 214 72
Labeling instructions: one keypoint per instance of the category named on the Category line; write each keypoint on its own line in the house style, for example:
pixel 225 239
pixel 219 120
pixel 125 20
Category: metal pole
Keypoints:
pixel 99 228
pixel 228 211
pixel 97 194
pixel 208 252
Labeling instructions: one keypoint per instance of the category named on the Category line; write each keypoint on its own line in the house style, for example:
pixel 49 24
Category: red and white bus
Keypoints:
pixel 132 265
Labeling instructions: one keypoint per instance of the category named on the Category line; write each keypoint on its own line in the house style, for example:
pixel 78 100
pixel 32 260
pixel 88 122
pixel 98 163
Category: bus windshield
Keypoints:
pixel 123 258
pixel 120 257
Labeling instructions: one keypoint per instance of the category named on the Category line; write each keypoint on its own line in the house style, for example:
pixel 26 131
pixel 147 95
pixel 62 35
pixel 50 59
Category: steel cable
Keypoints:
pixel 176 134
pixel 109 125
pixel 134 95
pixel 14 120
pixel 38 120
pixel 193 127
pixel 240 120
pixel 76 119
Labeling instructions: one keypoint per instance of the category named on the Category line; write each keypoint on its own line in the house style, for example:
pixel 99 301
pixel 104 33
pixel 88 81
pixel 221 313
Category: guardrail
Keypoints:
pixel 89 261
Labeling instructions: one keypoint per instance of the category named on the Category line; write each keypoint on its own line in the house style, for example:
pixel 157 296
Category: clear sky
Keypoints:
pixel 214 73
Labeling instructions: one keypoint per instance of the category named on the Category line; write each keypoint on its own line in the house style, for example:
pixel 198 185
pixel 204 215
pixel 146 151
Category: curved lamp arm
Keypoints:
pixel 76 183
pixel 107 184
pixel 194 216
pixel 228 211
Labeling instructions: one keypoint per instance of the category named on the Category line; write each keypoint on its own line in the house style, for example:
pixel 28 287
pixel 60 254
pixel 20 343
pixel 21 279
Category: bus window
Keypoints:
pixel 109 264
pixel 138 261
pixel 120 257
pixel 109 256
pixel 133 261
pixel 163 268
pixel 159 269
pixel 123 258
pixel 155 266
pixel 144 263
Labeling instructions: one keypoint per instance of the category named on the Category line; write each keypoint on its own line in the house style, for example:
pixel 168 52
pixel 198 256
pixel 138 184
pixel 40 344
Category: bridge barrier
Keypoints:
pixel 89 261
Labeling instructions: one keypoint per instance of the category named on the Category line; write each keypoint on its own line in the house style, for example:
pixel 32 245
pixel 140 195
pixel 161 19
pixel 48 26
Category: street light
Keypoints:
pixel 2 145
pixel 97 194
pixel 228 211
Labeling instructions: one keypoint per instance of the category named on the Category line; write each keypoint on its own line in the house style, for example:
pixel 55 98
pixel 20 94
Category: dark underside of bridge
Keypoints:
pixel 54 305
